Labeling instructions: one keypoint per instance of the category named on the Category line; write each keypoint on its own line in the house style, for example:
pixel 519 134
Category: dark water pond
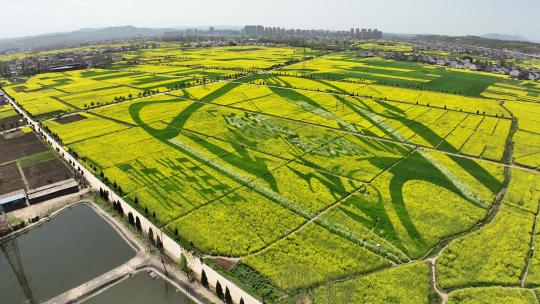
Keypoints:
pixel 74 247
pixel 141 289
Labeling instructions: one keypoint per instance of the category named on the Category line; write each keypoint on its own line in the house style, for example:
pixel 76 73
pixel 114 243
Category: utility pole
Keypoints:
pixel 10 249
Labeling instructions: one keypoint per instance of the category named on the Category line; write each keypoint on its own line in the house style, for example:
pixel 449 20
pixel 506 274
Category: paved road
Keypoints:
pixel 170 246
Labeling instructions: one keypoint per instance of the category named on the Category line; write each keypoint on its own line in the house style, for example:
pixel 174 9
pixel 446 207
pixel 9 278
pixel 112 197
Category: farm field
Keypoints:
pixel 492 294
pixel 384 93
pixel 365 181
pixel 60 93
pixel 164 69
pixel 6 57
pixel 9 119
pixel 525 91
pixel 384 46
pixel 26 163
pixel 347 66
pixel 430 126
pixel 226 58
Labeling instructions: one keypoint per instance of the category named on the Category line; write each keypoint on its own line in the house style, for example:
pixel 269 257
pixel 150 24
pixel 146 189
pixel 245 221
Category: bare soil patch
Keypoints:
pixel 46 173
pixel 10 179
pixel 227 264
pixel 20 146
pixel 11 123
pixel 69 119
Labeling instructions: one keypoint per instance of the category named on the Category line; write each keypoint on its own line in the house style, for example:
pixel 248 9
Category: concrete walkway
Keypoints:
pixel 171 248
pixel 100 282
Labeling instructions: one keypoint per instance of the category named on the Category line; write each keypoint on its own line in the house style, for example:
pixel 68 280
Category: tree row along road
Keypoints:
pixel 173 249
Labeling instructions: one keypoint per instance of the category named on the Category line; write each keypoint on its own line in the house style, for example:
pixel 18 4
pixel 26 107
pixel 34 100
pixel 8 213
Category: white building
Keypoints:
pixel 514 73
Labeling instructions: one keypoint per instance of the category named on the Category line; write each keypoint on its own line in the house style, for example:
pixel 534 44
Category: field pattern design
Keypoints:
pixel 325 178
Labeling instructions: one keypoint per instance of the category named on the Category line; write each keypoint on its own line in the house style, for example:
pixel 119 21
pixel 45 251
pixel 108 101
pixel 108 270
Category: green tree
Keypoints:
pixel 219 290
pixel 182 263
pixel 204 279
pixel 228 298
pixel 151 235
pixel 138 224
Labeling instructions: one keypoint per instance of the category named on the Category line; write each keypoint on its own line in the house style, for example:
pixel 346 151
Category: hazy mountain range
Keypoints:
pixel 79 37
pixel 96 35
pixel 506 37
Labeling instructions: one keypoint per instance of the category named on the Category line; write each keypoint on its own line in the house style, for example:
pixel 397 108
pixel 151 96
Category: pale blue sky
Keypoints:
pixel 451 17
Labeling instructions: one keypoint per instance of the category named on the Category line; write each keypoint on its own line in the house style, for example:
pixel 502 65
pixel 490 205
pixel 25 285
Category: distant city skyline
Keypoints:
pixel 444 17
